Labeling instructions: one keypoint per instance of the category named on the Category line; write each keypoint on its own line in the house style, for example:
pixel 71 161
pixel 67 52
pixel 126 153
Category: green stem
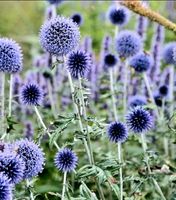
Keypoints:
pixel 150 94
pixel 125 87
pixel 119 144
pixel 51 99
pixel 10 95
pixel 44 126
pixel 64 186
pixel 31 193
pixel 2 98
pixel 144 145
pixel 82 130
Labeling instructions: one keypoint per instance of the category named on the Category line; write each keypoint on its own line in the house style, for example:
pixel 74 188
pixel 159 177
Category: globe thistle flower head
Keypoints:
pixel 55 2
pixel 168 53
pixel 118 15
pixel 66 160
pixel 139 120
pixel 5 188
pixel 59 36
pixel 163 90
pixel 10 56
pixel 12 166
pixel 32 156
pixel 117 132
pixel 79 63
pixel 137 101
pixel 141 62
pixel 110 60
pixel 158 100
pixel 31 94
pixel 128 43
pixel 77 18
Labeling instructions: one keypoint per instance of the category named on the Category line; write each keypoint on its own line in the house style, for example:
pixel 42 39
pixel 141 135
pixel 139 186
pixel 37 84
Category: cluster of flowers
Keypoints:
pixel 60 37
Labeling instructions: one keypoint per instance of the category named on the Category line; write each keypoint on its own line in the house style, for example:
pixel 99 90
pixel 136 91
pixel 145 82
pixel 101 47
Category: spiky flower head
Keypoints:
pixel 139 120
pixel 168 53
pixel 77 18
pixel 56 2
pixel 66 160
pixel 31 94
pixel 33 157
pixel 118 15
pixel 128 43
pixel 141 62
pixel 117 132
pixel 110 60
pixel 158 100
pixel 10 56
pixel 59 36
pixel 163 90
pixel 137 101
pixel 79 63
pixel 5 188
pixel 12 166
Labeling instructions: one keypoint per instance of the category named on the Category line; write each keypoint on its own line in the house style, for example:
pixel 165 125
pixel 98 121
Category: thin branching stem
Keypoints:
pixel 116 119
pixel 10 95
pixel 144 146
pixel 64 186
pixel 44 126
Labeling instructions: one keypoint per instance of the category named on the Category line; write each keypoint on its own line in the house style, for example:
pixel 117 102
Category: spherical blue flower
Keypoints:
pixel 118 15
pixel 66 160
pixel 78 63
pixel 31 94
pixel 56 2
pixel 128 43
pixel 117 132
pixel 5 188
pixel 77 18
pixel 12 166
pixel 10 56
pixel 110 60
pixel 168 53
pixel 32 156
pixel 163 90
pixel 59 36
pixel 158 100
pixel 141 62
pixel 139 120
pixel 137 101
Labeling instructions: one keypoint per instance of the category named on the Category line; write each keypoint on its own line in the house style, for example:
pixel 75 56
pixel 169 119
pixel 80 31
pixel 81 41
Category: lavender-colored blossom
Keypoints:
pixel 31 94
pixel 59 36
pixel 12 166
pixel 156 52
pixel 10 56
pixel 66 160
pixel 137 101
pixel 142 26
pixel 141 62
pixel 117 132
pixel 128 43
pixel 139 120
pixel 33 157
pixel 77 18
pixel 168 53
pixel 78 63
pixel 118 15
pixel 5 188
